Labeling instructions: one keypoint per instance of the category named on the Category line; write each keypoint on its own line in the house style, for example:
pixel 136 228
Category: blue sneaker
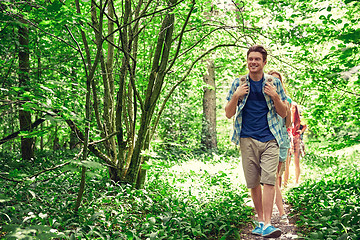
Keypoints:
pixel 258 230
pixel 271 232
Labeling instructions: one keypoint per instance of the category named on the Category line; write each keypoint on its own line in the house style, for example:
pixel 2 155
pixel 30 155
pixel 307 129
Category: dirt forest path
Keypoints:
pixel 289 230
pixel 236 176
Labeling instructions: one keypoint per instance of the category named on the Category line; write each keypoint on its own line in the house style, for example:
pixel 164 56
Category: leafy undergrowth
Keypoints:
pixel 173 205
pixel 327 205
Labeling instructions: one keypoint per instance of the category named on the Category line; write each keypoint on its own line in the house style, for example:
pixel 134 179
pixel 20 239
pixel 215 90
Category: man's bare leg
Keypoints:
pixel 287 169
pixel 278 195
pixel 256 195
pixel 268 202
pixel 297 166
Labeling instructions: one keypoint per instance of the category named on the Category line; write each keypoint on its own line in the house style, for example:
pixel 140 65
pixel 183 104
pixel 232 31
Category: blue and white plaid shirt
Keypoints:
pixel 272 117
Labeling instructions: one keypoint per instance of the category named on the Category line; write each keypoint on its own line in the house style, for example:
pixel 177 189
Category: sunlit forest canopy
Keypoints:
pixel 112 49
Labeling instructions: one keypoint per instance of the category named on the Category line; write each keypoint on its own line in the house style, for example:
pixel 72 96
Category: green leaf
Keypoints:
pixel 153 235
pixel 45 23
pixel 55 6
pixel 89 164
pixel 343 237
pixel 152 220
pixel 4 198
pixel 17 89
pixel 146 166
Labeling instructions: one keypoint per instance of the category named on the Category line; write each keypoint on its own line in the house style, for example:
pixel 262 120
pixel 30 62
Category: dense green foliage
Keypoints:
pixel 317 47
pixel 174 204
pixel 186 196
pixel 326 205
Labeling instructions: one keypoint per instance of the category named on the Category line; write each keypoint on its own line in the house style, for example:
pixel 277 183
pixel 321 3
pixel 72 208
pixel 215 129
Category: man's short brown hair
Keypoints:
pixel 258 48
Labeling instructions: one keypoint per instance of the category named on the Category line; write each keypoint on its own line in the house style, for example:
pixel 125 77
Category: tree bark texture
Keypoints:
pixel 208 138
pixel 129 94
pixel 27 144
pixel 154 87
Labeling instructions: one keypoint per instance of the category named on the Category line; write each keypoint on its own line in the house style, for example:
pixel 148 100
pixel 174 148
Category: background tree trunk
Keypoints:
pixel 208 137
pixel 56 142
pixel 27 144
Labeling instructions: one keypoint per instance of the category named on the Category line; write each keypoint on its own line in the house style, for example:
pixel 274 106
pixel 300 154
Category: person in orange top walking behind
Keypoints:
pixel 296 132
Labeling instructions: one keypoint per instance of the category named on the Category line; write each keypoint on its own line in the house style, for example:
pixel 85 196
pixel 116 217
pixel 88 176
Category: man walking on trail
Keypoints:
pixel 255 100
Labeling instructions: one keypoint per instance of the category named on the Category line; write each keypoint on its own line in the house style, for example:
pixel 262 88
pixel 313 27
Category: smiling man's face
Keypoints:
pixel 255 62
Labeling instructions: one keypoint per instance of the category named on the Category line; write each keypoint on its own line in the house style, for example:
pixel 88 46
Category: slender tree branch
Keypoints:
pixel 36 26
pixel 78 49
pixel 181 36
pixel 37 174
pixel 57 175
pixel 49 169
pixel 136 33
pixel 10 180
pixel 240 10
pixel 183 79
pixel 92 148
pixel 9 102
pixel 346 91
pixel 16 134
pixel 144 16
pixel 124 43
pixel 196 43
pixel 104 139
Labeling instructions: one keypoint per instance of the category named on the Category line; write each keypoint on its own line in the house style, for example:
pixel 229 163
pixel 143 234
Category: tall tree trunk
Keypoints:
pixel 73 140
pixel 56 143
pixel 38 78
pixel 208 138
pixel 86 141
pixel 42 138
pixel 27 148
pixel 156 78
pixel 140 181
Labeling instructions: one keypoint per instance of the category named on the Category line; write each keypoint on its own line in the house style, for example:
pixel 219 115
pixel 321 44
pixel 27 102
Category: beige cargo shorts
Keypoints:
pixel 260 161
